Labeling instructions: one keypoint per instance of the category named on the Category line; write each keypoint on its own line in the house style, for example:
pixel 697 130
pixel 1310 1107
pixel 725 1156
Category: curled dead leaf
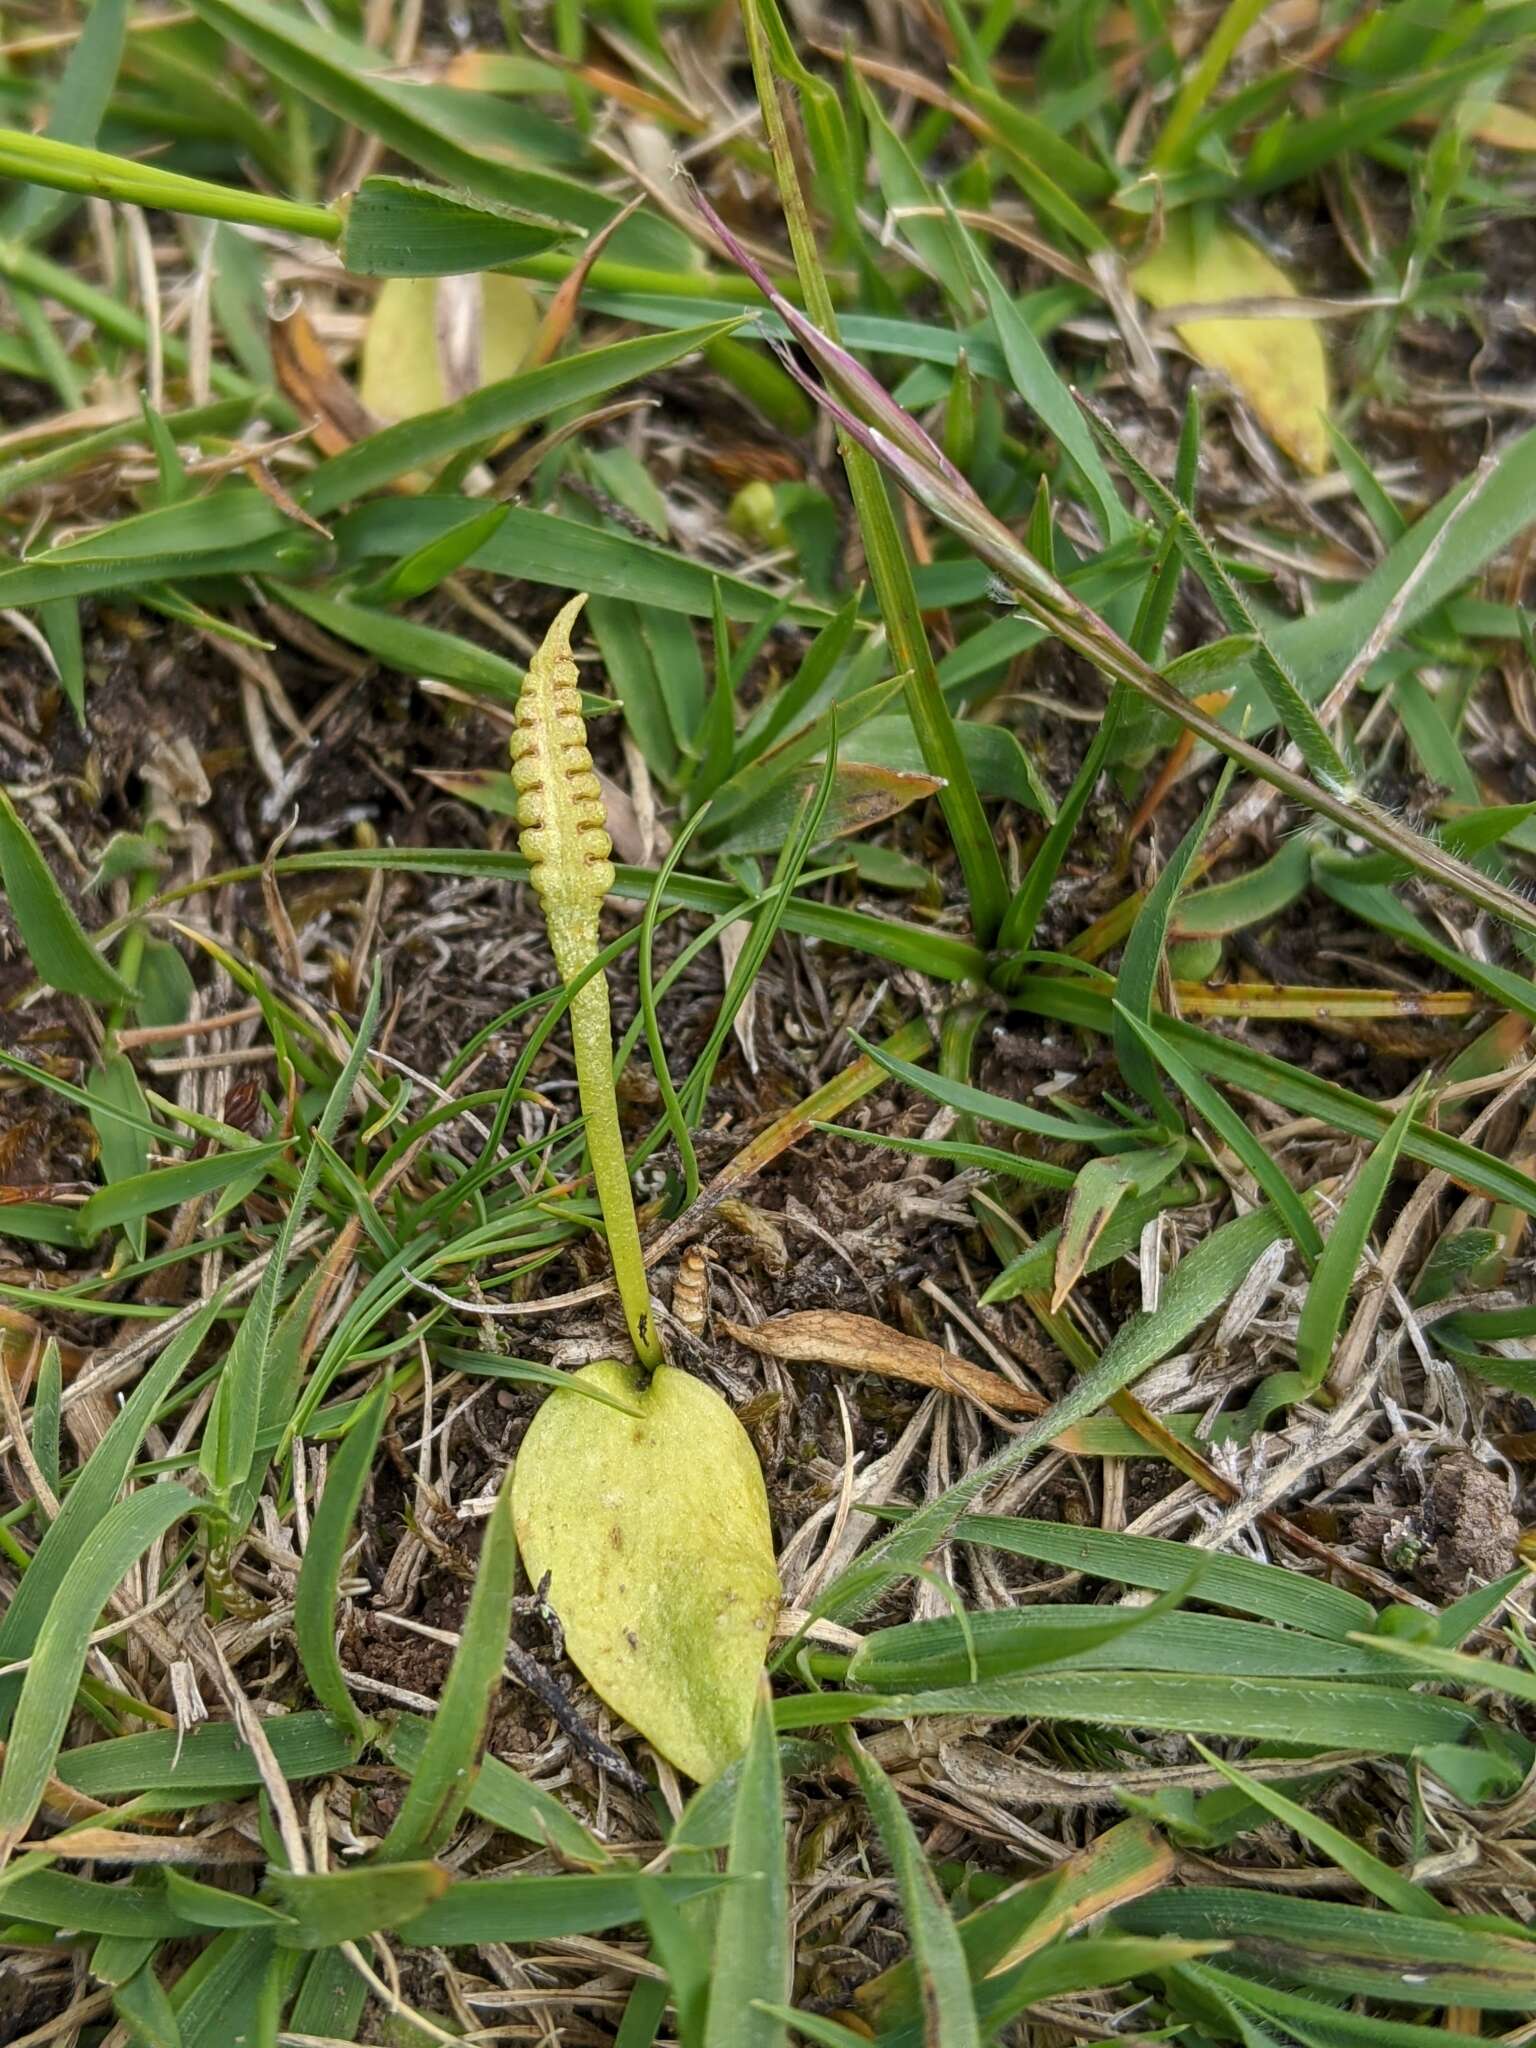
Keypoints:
pixel 860 1344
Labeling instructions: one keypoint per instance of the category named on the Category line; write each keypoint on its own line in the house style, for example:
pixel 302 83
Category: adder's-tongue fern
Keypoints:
pixel 564 838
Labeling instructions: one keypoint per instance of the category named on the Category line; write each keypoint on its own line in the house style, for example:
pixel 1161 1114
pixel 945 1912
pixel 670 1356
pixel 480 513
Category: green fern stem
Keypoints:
pixel 564 838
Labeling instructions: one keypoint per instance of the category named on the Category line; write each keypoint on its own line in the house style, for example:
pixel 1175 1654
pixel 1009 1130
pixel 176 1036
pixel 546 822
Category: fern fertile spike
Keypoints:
pixel 563 835
pixel 562 827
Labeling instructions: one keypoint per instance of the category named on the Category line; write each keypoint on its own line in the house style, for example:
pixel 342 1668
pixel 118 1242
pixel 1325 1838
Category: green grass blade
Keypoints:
pixel 1292 1087
pixel 440 1787
pixel 47 1698
pixel 1212 1105
pixel 66 167
pixel 505 1797
pixel 524 1909
pixel 752 1963
pixel 229 1439
pixel 90 1498
pixel 75 116
pixel 890 571
pixel 495 410
pixel 1268 1591
pixel 938 1957
pixel 315 1599
pixel 400 227
pixel 332 1906
pixel 1137 979
pixel 204 1762
pixel 1350 1949
pixel 1367 1870
pixel 1322 1313
pixel 434 127
pixel 1314 1712
pixel 63 956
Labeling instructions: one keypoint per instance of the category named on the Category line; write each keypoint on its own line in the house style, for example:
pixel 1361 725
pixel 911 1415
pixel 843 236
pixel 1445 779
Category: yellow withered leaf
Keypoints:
pixel 1277 365
pixel 415 331
pixel 1506 127
pixel 654 1530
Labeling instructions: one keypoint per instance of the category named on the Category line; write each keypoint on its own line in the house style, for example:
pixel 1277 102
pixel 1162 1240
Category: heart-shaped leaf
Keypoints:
pixel 654 1531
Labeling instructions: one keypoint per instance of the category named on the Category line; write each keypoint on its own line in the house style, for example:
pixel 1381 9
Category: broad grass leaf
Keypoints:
pixel 481 1909
pixel 64 957
pixel 938 1958
pixel 402 371
pixel 1101 1186
pixel 348 1905
pixel 1356 1950
pixel 198 1762
pixel 863 795
pixel 315 1600
pixel 444 1774
pixel 753 1957
pixel 122 1148
pixel 655 1535
pixel 400 227
pixel 1269 1591
pixel 1278 365
pixel 122 1535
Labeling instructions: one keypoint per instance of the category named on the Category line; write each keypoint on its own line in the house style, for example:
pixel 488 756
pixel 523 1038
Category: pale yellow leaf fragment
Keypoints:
pixel 1277 365
pixel 654 1531
pixel 411 330
pixel 1503 127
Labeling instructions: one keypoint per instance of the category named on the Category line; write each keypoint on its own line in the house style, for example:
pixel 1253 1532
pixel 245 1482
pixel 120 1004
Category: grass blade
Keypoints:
pixel 58 948
pixel 47 1699
pixel 751 1968
pixel 938 1957
pixel 1144 954
pixel 1322 1313
pixel 91 1497
pixel 315 1600
pixel 890 571
pixel 441 1784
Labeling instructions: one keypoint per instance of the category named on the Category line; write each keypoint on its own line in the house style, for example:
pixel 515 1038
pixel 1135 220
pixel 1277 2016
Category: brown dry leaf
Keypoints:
pixel 414 348
pixel 309 377
pixel 22 1339
pixel 1277 365
pixel 860 1344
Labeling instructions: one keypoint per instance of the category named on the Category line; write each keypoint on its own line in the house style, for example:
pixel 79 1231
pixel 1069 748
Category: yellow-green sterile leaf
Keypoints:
pixel 433 339
pixel 1278 365
pixel 654 1532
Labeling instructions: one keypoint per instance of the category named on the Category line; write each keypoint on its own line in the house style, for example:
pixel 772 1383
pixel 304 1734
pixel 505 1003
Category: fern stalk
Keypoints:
pixel 563 835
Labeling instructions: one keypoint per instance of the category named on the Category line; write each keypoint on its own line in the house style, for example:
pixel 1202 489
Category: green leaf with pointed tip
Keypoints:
pixel 123 1534
pixel 401 227
pixel 57 947
pixel 655 1535
pixel 329 1906
pixel 1101 1186
pixel 753 1956
pixel 443 1777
